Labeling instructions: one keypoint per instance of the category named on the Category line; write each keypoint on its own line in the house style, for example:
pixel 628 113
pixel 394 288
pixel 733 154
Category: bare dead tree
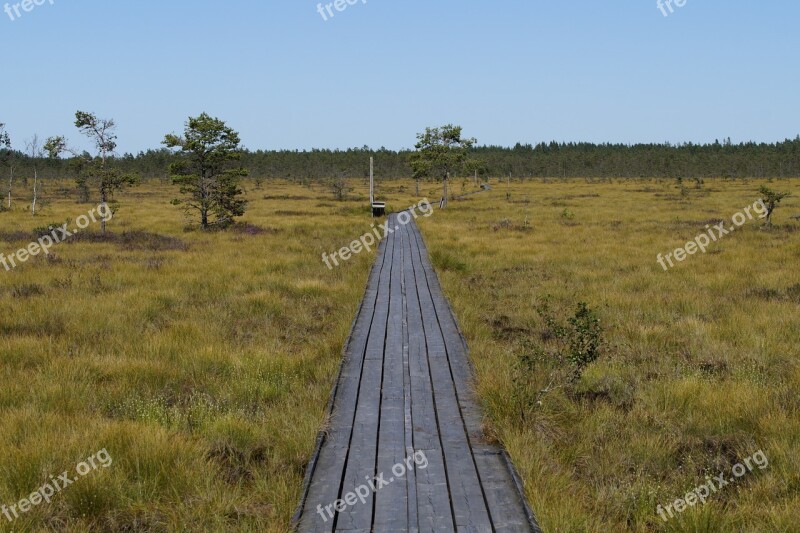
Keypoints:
pixel 35 150
pixel 7 156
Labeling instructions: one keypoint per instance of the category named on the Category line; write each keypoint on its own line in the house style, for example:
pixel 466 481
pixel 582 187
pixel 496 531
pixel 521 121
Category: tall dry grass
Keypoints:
pixel 203 361
pixel 700 364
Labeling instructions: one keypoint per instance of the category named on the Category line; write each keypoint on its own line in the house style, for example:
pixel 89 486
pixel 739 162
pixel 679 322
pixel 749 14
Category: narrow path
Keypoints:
pixel 404 450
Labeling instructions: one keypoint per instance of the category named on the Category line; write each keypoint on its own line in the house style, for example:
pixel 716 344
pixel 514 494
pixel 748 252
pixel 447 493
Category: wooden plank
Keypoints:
pixel 434 512
pixel 411 485
pixel 362 455
pixel 466 498
pixel 323 488
pixel 391 502
pixel 460 366
pixel 504 503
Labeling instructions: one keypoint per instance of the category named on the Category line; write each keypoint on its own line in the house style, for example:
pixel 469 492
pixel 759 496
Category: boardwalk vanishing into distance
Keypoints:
pixel 403 404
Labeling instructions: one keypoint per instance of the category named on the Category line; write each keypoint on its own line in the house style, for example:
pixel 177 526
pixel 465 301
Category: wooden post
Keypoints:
pixel 444 198
pixel 371 185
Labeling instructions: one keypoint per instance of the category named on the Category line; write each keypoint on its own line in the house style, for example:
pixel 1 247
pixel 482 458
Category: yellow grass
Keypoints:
pixel 700 368
pixel 203 371
pixel 203 361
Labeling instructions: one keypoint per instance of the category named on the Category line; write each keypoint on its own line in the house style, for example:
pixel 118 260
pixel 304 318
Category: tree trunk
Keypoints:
pixel 204 200
pixel 10 184
pixel 444 196
pixel 103 199
pixel 35 190
pixel 103 193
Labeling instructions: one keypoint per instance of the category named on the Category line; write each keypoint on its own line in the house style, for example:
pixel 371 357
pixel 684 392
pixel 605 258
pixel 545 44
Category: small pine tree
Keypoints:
pixel 771 199
pixel 206 170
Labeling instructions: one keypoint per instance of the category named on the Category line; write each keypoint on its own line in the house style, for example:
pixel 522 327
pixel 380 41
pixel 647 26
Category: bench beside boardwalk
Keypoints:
pixel 404 397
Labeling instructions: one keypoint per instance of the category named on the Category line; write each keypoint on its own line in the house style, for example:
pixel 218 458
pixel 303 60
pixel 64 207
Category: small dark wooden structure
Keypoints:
pixel 378 209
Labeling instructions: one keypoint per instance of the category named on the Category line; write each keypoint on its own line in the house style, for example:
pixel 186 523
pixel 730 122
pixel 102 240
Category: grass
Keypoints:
pixel 699 367
pixel 202 362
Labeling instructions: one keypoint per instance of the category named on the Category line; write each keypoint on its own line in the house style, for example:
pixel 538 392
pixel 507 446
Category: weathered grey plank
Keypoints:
pixel 466 497
pixel 323 487
pixel 411 485
pixel 495 479
pixel 362 456
pixel 433 501
pixel 504 498
pixel 462 370
pixel 391 502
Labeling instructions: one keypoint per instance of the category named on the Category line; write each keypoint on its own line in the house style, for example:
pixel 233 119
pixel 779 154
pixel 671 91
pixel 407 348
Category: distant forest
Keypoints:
pixel 720 159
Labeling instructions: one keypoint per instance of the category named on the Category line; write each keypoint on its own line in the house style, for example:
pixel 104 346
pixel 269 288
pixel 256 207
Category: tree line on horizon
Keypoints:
pixel 208 163
pixel 550 160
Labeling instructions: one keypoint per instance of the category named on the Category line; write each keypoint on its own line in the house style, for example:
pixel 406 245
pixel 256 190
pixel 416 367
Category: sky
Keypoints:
pixel 289 77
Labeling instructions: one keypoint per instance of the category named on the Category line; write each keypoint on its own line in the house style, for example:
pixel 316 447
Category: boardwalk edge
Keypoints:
pixel 312 464
pixel 512 470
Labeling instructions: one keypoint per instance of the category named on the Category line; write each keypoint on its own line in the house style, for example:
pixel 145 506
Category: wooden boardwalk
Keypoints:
pixel 404 419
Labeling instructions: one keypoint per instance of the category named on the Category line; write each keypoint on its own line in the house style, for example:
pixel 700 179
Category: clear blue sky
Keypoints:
pixel 377 73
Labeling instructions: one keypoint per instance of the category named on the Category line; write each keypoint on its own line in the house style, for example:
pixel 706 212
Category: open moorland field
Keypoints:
pixel 201 362
pixel 699 366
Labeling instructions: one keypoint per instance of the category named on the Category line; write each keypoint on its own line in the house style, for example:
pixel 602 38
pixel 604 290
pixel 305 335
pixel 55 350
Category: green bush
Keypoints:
pixel 558 359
